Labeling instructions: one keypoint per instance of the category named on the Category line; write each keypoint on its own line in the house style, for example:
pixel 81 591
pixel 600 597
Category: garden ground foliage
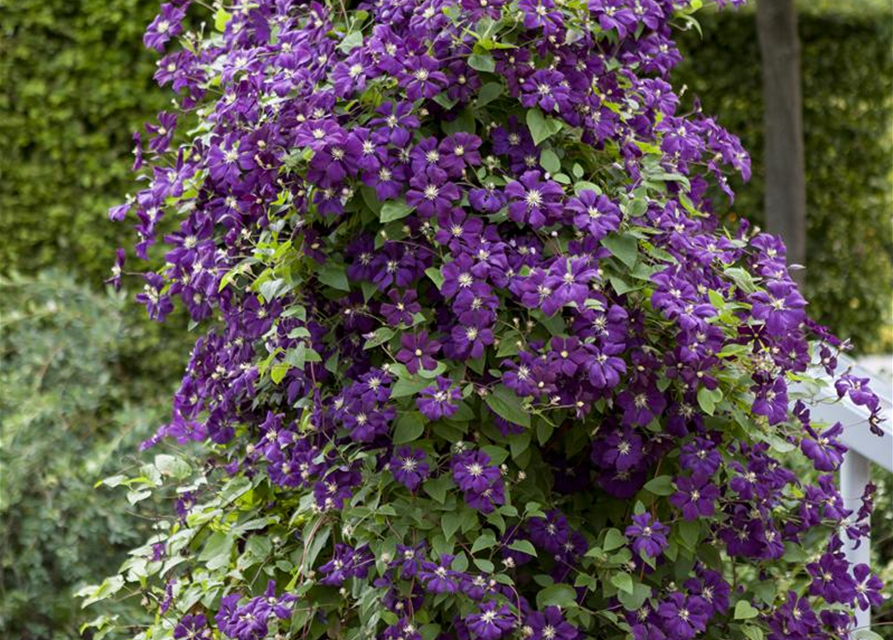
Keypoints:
pixel 67 420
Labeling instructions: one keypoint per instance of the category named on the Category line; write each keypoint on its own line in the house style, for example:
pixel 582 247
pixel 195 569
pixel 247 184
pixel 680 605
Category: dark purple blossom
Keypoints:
pixel 409 468
pixel 440 400
pixel 648 535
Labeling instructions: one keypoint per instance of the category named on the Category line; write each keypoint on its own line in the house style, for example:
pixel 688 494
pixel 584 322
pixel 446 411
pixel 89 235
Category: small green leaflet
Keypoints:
pixel 351 41
pixel 661 486
pixel 484 541
pixel 507 405
pixel 435 275
pixel 450 524
pixel 410 426
pixel 623 581
pixel 559 595
pixel 394 210
pixel 334 275
pixel 489 92
pixel 438 487
pixel 549 161
pixel 381 335
pixel 624 247
pixel 708 399
pixel 221 18
pixel 613 540
pixel 278 371
pixel 481 62
pixel 541 127
pixel 635 600
pixel 524 546
pixel 745 611
pixel 216 552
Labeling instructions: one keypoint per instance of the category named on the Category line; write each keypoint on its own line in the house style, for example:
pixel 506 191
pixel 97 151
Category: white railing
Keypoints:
pixel 864 447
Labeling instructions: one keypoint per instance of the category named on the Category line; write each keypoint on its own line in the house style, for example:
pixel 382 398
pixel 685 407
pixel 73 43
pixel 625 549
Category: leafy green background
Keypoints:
pixel 85 377
pixel 70 414
pixel 847 69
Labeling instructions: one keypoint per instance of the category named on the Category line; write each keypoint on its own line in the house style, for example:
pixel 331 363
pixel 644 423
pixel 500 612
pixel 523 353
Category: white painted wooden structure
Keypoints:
pixel 864 447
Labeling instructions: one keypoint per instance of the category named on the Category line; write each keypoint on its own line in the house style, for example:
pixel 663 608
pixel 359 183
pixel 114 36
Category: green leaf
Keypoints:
pixel 559 595
pixel 450 524
pixel 765 591
pixel 742 278
pixel 778 444
pixel 94 593
pixel 524 546
pixel 484 541
pixel 661 486
pixel 173 466
pixel 634 601
pixel 334 275
pixel 489 92
pixel 409 386
pixel 410 426
pixel 435 275
pixel 507 404
pixel 484 565
pixel 623 581
pixel 544 431
pixel 755 633
pixel 278 371
pixel 438 487
pixel 482 62
pixel 221 18
pixel 217 550
pixel 519 443
pixel 379 337
pixel 464 122
pixel 351 41
pixel 429 631
pixel 549 161
pixel 541 127
pixel 708 399
pixel 394 210
pixel 745 611
pixel 690 532
pixel 624 247
pixel 613 540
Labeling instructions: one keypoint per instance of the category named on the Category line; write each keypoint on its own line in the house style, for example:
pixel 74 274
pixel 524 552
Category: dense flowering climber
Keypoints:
pixel 477 359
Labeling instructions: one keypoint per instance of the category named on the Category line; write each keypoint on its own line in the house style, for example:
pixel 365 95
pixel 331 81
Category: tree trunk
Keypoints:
pixel 785 201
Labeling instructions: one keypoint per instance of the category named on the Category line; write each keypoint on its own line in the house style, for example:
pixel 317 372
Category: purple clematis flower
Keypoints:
pixel 533 201
pixel 439 401
pixel 594 213
pixel 648 535
pixel 417 351
pixel 409 468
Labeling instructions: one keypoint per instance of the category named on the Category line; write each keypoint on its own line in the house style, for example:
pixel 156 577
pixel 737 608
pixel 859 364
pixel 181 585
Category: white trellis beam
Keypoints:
pixel 864 447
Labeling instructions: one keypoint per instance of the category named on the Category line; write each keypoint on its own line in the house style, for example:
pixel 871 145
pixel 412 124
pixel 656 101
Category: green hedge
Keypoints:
pixel 75 83
pixel 848 104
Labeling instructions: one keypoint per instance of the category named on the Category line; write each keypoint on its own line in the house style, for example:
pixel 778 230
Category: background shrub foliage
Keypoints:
pixel 477 362
pixel 847 71
pixel 67 420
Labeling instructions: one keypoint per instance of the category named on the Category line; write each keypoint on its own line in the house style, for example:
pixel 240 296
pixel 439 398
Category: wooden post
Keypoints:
pixel 785 199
